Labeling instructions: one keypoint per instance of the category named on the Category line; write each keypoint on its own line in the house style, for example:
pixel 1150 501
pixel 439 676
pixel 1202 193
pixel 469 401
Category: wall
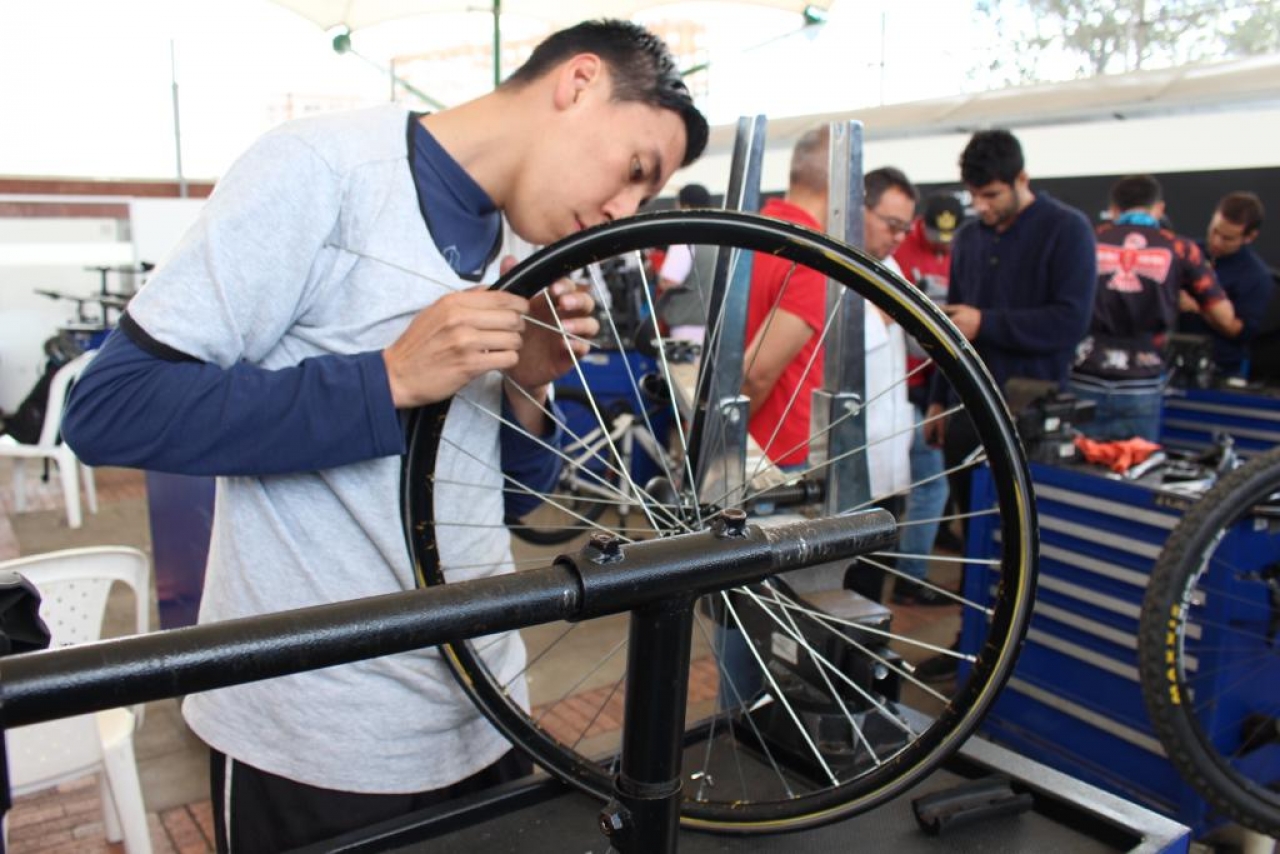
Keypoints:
pixel 48 254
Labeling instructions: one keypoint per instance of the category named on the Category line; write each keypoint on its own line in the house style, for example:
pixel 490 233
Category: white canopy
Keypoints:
pixel 1220 116
pixel 355 14
pixel 1142 94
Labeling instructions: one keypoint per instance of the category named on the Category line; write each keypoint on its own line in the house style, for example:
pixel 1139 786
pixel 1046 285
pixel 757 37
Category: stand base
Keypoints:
pixel 545 817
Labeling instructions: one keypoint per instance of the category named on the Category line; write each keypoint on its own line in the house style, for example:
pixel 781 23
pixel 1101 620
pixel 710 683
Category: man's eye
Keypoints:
pixel 637 171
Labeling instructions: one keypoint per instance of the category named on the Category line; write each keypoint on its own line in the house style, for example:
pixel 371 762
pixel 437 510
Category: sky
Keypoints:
pixel 87 86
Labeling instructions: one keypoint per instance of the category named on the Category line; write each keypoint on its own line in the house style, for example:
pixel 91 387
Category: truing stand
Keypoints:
pixel 657 580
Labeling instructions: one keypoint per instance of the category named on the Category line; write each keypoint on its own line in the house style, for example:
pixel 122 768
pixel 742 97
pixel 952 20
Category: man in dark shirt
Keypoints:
pixel 1242 274
pixel 1022 281
pixel 1143 271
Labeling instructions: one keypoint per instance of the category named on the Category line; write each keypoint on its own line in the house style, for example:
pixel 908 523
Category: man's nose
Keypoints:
pixel 624 203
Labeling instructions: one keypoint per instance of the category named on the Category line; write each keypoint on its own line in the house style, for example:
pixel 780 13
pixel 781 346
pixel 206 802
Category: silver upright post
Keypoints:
pixel 177 123
pixel 838 417
pixel 719 438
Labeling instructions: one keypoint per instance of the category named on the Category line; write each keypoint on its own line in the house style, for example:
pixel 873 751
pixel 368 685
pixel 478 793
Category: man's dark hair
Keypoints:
pixel 1242 209
pixel 991 155
pixel 1136 191
pixel 877 181
pixel 693 196
pixel 640 66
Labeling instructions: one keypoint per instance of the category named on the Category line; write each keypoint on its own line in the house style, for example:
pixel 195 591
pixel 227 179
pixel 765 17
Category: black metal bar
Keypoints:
pixel 644 816
pixel 42 686
pixel 621 577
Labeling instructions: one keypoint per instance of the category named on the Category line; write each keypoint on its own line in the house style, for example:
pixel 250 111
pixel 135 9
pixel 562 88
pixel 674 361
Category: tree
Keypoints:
pixel 1052 39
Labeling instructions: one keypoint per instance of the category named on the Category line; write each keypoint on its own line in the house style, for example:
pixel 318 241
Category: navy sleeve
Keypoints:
pixel 1069 276
pixel 169 412
pixel 528 461
pixel 1251 300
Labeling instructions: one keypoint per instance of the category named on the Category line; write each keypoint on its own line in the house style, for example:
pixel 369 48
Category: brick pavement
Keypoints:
pixel 67 819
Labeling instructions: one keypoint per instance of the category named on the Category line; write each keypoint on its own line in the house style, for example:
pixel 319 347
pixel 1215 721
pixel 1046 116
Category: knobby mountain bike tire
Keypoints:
pixel 1207 645
pixel 841 721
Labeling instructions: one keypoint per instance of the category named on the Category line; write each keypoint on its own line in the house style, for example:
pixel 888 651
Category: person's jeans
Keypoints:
pixel 926 501
pixel 740 675
pixel 1122 415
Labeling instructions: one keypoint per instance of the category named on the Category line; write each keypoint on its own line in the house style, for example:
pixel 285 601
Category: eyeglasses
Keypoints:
pixel 895 225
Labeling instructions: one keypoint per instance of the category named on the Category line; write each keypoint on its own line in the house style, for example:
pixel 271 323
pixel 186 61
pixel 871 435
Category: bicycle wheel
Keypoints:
pixel 587 483
pixel 1207 645
pixel 841 720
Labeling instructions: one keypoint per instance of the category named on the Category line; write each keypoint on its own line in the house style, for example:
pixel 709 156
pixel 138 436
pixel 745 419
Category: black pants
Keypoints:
pixel 269 814
pixel 961 440
pixel 864 578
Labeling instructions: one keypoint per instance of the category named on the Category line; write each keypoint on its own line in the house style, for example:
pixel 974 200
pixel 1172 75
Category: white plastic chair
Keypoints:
pixel 51 447
pixel 73 586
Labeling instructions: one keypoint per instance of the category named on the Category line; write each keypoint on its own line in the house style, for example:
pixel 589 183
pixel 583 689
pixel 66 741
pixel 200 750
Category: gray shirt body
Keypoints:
pixel 313 243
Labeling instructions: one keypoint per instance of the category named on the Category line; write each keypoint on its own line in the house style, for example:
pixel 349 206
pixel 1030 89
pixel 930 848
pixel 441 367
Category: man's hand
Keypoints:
pixel 935 428
pixel 966 318
pixel 451 342
pixel 547 353
pixel 1186 302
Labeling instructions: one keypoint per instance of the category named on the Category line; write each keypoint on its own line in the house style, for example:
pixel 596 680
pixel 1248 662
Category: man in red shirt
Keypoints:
pixel 925 253
pixel 786 311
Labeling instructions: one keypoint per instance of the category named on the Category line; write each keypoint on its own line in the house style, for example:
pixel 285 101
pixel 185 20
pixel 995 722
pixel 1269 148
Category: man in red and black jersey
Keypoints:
pixel 1141 270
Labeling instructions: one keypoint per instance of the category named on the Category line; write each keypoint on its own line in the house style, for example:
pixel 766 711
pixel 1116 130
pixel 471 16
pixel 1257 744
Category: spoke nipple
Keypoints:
pixel 707 779
pixel 732 522
pixel 607 545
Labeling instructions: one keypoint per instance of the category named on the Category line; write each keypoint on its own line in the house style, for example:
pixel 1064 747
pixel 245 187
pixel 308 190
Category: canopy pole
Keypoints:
pixel 497 43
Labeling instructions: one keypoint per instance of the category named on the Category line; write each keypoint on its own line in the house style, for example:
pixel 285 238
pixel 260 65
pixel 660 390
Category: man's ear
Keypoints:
pixel 574 77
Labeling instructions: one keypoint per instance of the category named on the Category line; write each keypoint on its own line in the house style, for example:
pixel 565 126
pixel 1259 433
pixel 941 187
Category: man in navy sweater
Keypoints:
pixel 1022 282
pixel 1242 274
pixel 1023 276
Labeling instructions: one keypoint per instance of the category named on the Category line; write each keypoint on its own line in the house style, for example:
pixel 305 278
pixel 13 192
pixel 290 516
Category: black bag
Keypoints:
pixel 25 423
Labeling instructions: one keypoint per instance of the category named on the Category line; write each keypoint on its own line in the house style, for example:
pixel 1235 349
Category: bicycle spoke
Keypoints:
pixel 780 697
pixel 955 597
pixel 825 664
pixel 759 737
pixel 832 623
pixel 648 506
pixel 671 393
pixel 976 514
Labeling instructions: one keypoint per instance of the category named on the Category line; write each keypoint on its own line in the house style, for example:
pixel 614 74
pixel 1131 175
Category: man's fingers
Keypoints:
pixel 483 298
pixel 570 298
pixel 501 319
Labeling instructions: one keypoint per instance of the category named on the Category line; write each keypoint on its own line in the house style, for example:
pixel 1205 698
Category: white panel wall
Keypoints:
pixel 46 254
pixel 51 254
pixel 158 224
